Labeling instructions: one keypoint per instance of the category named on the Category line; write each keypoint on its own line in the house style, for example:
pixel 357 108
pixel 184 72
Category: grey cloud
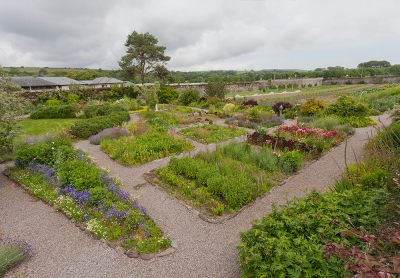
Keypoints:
pixel 200 34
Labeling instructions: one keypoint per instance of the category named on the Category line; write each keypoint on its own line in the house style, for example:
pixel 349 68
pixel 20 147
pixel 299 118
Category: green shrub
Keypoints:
pixel 167 94
pixel 80 174
pixel 312 106
pixel 55 112
pixel 92 126
pixel 326 123
pixel 347 106
pixel 216 89
pixel 72 98
pixel 376 179
pixel 290 161
pixel 91 111
pixel 288 242
pixel 188 96
pixel 52 102
pixel 46 151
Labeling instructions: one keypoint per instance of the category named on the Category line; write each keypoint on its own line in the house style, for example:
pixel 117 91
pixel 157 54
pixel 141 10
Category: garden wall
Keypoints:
pixel 362 80
pixel 254 86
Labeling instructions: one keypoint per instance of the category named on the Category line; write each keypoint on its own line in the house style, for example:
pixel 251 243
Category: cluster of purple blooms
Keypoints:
pixel 108 133
pixel 26 248
pixel 111 186
pixel 80 197
pixel 276 120
pixel 47 172
pixel 114 213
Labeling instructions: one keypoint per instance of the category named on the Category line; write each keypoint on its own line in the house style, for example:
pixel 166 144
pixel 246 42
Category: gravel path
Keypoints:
pixel 204 249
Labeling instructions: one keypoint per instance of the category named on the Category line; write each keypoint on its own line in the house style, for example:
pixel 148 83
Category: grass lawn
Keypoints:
pixel 33 127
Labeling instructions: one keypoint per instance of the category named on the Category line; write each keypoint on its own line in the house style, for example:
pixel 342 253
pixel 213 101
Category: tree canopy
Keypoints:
pixel 374 64
pixel 143 57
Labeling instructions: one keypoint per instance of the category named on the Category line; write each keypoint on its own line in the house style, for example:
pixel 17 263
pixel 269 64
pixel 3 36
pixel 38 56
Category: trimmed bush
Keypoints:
pixel 55 112
pixel 85 129
pixel 91 111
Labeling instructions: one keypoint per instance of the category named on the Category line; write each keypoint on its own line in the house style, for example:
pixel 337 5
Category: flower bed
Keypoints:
pixel 75 186
pixel 136 150
pixel 211 133
pixel 312 141
pixel 223 181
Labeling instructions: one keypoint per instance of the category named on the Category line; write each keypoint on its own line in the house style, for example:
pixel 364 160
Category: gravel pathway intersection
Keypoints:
pixel 203 249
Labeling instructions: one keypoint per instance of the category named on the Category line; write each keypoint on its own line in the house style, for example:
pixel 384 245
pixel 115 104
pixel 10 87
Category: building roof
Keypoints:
pixel 30 81
pixel 105 80
pixel 61 81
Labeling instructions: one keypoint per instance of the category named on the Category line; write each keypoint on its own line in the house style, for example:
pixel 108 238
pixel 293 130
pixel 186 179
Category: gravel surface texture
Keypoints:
pixel 203 249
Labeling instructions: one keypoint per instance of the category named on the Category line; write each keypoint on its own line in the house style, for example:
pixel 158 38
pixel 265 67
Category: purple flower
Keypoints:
pixel 80 197
pixel 108 133
pixel 124 196
pixel 142 209
pixel 118 215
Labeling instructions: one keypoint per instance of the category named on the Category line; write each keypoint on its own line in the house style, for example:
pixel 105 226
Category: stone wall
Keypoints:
pixel 254 86
pixel 362 80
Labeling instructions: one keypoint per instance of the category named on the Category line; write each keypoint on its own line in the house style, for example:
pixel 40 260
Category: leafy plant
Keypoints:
pixel 12 253
pixel 291 161
pixel 144 148
pixel 189 96
pixel 211 133
pixel 312 106
pixel 85 129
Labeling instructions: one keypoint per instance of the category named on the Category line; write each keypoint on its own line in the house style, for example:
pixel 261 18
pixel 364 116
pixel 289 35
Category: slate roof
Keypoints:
pixel 30 81
pixel 61 81
pixel 105 80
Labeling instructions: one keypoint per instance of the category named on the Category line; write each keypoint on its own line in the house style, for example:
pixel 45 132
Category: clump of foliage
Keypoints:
pixel 167 94
pixel 90 111
pixel 11 105
pixel 189 96
pixel 250 102
pixel 270 122
pixel 129 104
pixel 350 111
pixel 150 94
pixel 55 112
pixel 211 133
pixel 216 89
pixel 288 241
pixel 351 229
pixel 89 127
pixel 312 106
pixel 107 134
pixel 312 141
pixel 347 106
pixel 70 181
pixel 285 106
pixel 136 150
pixel 12 253
pixel 222 181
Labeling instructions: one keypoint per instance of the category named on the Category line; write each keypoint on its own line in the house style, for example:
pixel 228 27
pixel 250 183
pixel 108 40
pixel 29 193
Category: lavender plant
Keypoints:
pixel 13 252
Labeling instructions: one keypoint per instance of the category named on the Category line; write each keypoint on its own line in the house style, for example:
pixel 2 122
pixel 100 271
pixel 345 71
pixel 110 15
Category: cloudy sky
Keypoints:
pixel 201 35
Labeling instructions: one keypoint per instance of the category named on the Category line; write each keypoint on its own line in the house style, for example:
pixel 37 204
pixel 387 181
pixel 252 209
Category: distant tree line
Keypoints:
pixel 365 69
